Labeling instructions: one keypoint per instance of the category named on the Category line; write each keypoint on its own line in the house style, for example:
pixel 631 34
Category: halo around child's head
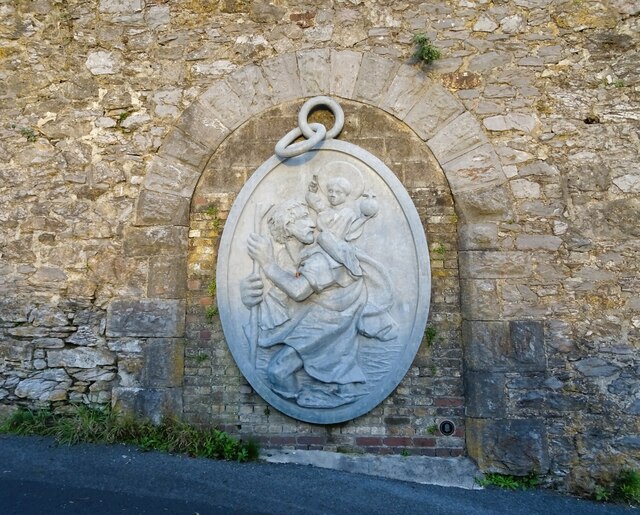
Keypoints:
pixel 348 171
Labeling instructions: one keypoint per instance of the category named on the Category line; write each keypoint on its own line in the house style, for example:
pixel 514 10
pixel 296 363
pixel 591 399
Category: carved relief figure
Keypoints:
pixel 319 293
pixel 337 215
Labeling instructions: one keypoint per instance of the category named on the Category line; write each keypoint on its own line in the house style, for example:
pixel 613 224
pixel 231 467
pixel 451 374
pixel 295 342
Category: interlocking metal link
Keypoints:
pixel 314 132
pixel 286 148
pixel 333 106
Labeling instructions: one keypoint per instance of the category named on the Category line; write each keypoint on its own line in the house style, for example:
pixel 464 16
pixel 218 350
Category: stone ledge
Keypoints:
pixel 451 472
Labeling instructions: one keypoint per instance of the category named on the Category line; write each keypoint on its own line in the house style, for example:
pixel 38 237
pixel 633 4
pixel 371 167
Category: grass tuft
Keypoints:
pixel 508 482
pixel 95 425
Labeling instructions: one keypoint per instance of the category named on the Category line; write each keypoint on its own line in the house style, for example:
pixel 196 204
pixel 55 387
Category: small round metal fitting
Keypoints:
pixel 285 148
pixel 333 106
pixel 447 428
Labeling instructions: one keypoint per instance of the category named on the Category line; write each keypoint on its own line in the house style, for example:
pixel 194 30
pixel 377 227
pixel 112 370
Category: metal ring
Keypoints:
pixel 284 148
pixel 333 106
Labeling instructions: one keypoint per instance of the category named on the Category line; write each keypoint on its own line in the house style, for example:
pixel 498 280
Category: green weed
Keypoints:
pixel 425 50
pixel 431 333
pixel 212 212
pixel 211 312
pixel 626 487
pixel 84 424
pixel 212 288
pixel 508 482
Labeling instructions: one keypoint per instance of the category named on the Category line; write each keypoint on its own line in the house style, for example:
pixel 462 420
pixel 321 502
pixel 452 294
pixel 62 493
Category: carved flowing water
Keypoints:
pixel 323 276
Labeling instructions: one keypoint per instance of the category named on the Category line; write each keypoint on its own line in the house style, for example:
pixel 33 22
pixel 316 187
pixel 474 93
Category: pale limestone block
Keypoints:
pixel 485 24
pixel 154 241
pixel 102 63
pixel 48 385
pixel 511 156
pixel 490 203
pixel 314 69
pixel 513 24
pixel 482 236
pixel 252 87
pixel 182 147
pixel 121 6
pixel 80 357
pixel 405 90
pixel 522 188
pixel 282 75
pixel 167 175
pixel 628 183
pixel 345 65
pixel 479 167
pixel 375 73
pixel 146 317
pixel 538 242
pixel 226 104
pixel 495 265
pixel 437 108
pixel 460 136
pixel 512 121
pixel 155 208
pixel 199 121
pixel 479 299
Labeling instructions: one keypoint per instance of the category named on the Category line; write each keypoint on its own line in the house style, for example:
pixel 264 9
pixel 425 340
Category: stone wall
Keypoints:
pixel 112 109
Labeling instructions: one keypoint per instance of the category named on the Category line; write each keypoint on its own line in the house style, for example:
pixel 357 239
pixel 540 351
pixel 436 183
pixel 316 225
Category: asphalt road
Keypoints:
pixel 37 476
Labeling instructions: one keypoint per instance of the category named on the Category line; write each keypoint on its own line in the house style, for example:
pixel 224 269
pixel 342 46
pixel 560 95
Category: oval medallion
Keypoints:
pixel 323 282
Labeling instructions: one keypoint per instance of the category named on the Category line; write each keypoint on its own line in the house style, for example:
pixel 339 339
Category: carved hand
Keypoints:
pixel 260 249
pixel 313 185
pixel 251 288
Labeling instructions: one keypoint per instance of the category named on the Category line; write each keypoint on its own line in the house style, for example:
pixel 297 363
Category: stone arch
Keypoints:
pixel 438 118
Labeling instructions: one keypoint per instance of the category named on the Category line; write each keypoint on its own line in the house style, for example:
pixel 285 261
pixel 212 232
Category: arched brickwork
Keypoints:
pixel 453 136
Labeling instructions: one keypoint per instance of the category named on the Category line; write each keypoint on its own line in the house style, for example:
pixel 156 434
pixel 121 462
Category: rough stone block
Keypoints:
pixel 538 242
pixel 485 394
pixel 478 236
pixel 496 346
pixel 230 108
pixel 438 108
pixel 252 85
pixel 155 208
pixel 486 345
pixel 152 241
pixel 167 277
pixel 314 68
pixel 508 446
pixel 154 404
pixel 457 138
pixel 80 357
pixel 527 344
pixel 345 65
pixel 373 76
pixel 282 75
pixel 200 122
pixel 15 350
pixel 48 385
pixel 479 299
pixel 477 168
pixel 146 317
pixel 182 147
pixel 512 121
pixel 405 91
pixel 121 6
pixel 163 363
pixel 596 367
pixel 478 264
pixel 489 204
pixel 167 175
